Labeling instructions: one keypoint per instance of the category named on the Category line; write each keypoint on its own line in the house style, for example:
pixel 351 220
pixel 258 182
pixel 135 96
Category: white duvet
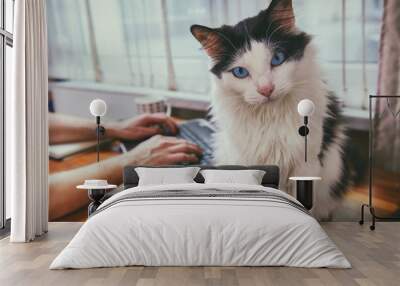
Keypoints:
pixel 200 231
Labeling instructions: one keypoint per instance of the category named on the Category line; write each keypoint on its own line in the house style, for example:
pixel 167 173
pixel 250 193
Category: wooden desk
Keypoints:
pixel 73 162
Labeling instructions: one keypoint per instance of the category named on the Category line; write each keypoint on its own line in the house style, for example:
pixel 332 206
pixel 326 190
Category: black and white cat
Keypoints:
pixel 263 66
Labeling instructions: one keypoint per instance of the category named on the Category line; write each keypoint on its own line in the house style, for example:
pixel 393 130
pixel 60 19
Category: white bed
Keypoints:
pixel 239 229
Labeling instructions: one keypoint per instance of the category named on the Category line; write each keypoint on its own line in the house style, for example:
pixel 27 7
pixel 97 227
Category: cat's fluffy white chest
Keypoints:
pixel 266 134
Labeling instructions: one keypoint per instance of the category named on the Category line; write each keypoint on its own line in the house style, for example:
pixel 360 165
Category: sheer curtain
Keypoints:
pixel 388 123
pixel 27 129
pixel 70 54
pixel 389 75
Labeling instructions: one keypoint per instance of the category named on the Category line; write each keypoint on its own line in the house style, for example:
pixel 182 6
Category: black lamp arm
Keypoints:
pixel 303 131
pixel 100 131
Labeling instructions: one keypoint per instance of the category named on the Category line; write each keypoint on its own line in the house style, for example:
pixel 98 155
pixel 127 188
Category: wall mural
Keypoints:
pixel 199 82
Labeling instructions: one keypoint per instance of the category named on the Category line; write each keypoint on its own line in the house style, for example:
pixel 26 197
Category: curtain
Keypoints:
pixel 390 49
pixel 70 56
pixel 387 116
pixel 27 129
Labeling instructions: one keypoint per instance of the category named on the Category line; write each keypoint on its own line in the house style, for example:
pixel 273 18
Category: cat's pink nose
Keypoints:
pixel 266 90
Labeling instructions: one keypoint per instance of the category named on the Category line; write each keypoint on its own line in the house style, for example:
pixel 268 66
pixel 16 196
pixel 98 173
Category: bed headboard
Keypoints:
pixel 270 179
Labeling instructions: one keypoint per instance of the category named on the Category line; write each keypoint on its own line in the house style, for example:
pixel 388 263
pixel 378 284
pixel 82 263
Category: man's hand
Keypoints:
pixel 141 127
pixel 162 150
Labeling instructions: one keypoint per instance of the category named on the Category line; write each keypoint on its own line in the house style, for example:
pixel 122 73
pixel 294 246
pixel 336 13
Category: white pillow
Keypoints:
pixel 248 177
pixel 168 175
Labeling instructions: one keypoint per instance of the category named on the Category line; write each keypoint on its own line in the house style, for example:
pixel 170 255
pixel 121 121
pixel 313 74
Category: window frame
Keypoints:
pixel 6 39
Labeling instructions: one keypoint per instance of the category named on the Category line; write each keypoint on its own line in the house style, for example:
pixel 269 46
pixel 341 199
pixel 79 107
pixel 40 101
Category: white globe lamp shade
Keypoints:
pixel 305 107
pixel 98 107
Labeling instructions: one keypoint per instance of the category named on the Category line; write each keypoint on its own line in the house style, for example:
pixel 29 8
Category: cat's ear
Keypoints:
pixel 209 39
pixel 282 11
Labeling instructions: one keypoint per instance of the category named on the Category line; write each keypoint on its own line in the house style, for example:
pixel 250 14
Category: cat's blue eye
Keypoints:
pixel 240 72
pixel 278 58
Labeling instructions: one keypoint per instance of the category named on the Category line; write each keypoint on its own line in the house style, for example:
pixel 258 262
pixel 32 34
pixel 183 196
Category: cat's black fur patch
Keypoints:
pixel 261 28
pixel 331 125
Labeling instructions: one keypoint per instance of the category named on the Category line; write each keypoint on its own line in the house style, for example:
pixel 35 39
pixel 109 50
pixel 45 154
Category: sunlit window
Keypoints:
pixel 148 43
pixel 338 34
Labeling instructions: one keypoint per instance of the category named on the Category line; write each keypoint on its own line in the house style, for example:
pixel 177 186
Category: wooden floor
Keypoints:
pixel 375 257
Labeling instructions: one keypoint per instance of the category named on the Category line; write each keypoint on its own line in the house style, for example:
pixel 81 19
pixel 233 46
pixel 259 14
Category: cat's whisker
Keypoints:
pixel 227 39
pixel 247 32
pixel 276 44
pixel 276 30
pixel 297 83
pixel 221 54
pixel 269 26
pixel 284 26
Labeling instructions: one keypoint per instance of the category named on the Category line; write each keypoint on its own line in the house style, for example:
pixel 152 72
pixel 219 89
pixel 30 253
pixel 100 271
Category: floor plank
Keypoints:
pixel 375 257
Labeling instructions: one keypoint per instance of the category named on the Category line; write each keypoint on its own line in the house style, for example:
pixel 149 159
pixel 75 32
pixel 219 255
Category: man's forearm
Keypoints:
pixel 65 128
